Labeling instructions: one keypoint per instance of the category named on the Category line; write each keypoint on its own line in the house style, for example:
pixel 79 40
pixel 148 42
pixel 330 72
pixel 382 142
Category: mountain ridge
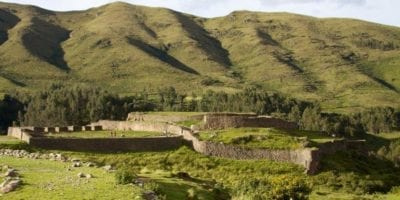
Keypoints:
pixel 345 64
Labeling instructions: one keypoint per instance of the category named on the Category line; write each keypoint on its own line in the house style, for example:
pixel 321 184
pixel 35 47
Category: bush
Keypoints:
pixel 153 186
pixel 192 194
pixel 277 188
pixel 125 175
pixel 208 81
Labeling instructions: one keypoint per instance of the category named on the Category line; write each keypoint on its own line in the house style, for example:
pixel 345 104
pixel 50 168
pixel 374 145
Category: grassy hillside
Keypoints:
pixel 345 64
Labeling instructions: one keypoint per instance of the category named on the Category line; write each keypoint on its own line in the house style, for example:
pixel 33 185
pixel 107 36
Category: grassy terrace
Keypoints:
pixel 105 134
pixel 265 138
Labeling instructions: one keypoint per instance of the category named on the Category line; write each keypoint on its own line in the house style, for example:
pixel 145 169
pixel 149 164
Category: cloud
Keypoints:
pixel 382 11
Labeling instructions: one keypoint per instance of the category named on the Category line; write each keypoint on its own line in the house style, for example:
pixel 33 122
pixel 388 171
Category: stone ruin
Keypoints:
pixel 307 157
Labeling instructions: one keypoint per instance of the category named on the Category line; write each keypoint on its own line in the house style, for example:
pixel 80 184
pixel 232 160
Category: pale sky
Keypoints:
pixel 380 11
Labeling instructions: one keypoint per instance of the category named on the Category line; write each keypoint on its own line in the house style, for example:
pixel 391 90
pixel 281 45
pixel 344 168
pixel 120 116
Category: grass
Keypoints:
pixel 389 136
pixel 350 176
pixel 160 167
pixel 229 172
pixel 188 123
pixel 105 134
pixel 174 187
pixel 264 138
pixel 8 140
pixel 44 179
pixel 297 55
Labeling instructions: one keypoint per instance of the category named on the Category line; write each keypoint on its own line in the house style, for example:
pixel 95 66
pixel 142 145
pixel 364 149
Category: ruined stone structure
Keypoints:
pixel 234 120
pixel 217 120
pixel 307 157
pixel 29 135
pixel 108 144
pixel 138 116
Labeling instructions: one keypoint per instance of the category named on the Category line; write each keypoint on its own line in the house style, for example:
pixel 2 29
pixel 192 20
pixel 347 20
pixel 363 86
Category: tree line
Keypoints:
pixel 61 105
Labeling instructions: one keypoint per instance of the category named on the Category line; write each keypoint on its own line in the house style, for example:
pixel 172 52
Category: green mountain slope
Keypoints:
pixel 345 64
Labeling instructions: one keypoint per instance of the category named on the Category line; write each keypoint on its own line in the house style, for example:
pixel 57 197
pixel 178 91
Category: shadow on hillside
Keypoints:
pixel 161 55
pixel 384 83
pixel 359 164
pixel 266 38
pixel 12 80
pixel 211 46
pixel 368 172
pixel 44 39
pixel 7 21
pixel 287 59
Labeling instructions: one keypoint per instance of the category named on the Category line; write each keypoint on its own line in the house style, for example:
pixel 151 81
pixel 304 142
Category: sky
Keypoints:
pixel 380 11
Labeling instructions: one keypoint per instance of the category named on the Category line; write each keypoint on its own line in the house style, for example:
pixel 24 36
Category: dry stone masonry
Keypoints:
pixel 234 120
pixel 178 136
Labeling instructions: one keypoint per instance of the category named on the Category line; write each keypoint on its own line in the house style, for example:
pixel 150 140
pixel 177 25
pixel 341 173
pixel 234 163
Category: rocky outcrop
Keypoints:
pixel 11 180
pixel 10 185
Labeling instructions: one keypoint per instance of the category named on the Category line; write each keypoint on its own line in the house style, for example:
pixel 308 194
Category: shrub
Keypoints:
pixel 192 194
pixel 125 175
pixel 277 188
pixel 153 186
pixel 208 81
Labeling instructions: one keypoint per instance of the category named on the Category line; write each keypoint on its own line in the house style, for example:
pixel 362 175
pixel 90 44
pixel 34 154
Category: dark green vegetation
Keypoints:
pixel 62 105
pixel 222 175
pixel 345 64
pixel 177 174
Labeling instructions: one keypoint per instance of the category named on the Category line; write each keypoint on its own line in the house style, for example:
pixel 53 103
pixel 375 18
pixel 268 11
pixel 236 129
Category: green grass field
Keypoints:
pixel 265 138
pixel 44 179
pixel 105 134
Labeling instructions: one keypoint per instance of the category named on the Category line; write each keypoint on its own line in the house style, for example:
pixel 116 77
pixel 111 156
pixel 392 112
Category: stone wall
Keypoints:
pixel 95 144
pixel 307 157
pixel 231 120
pixel 108 144
pixel 137 116
pixel 22 133
pixel 303 157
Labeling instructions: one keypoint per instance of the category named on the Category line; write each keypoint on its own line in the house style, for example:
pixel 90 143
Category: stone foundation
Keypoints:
pixel 108 144
pixel 307 157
